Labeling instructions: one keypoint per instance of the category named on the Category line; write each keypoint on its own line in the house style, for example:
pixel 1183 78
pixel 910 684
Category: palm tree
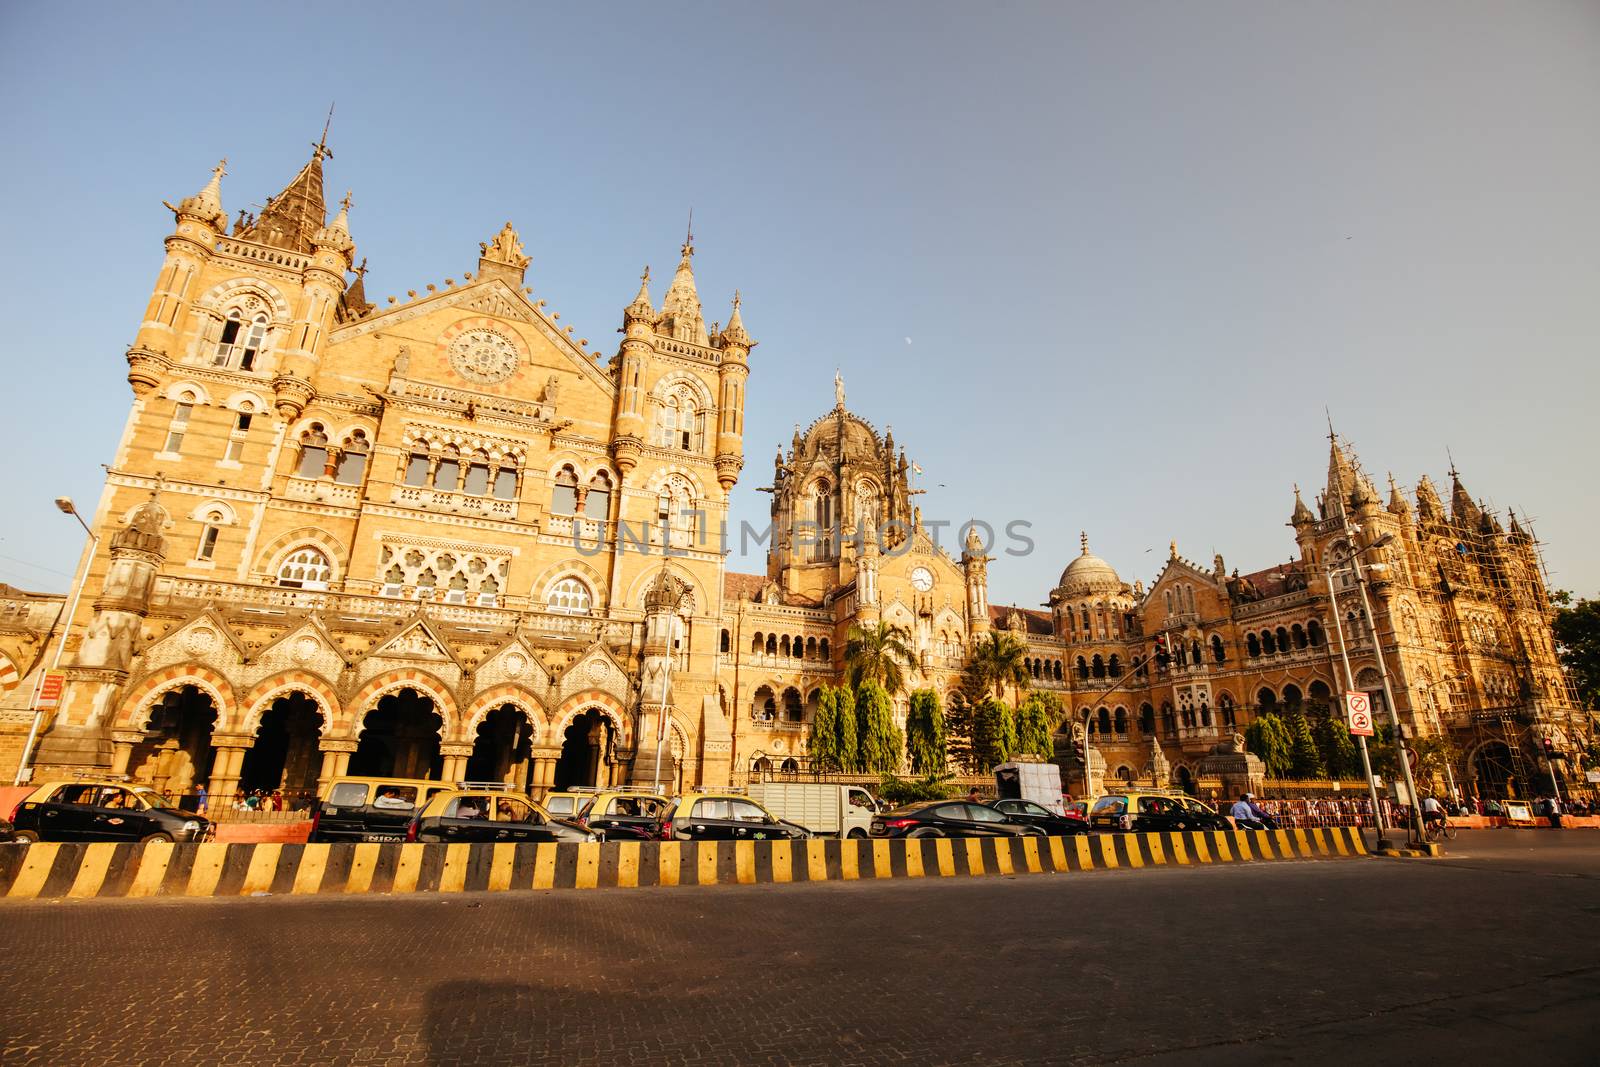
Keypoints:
pixel 997 659
pixel 879 653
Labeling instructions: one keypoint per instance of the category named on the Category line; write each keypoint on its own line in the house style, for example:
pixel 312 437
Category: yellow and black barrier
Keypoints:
pixel 159 869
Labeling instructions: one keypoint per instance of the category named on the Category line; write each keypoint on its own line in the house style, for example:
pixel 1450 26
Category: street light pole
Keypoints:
pixel 25 763
pixel 1361 740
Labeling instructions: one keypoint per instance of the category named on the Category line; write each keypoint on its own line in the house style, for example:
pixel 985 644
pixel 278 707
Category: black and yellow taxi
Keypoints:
pixel 474 816
pixel 725 817
pixel 567 803
pixel 104 810
pixel 1153 811
pixel 370 809
pixel 625 814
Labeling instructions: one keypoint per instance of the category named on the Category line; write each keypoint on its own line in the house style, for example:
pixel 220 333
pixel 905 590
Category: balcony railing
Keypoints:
pixel 417 496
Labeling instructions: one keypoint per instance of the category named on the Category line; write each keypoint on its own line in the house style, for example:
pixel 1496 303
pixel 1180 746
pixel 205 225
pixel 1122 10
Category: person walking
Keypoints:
pixel 201 798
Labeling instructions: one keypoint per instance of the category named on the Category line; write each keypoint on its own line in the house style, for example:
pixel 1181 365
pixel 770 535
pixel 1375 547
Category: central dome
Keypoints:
pixel 1089 574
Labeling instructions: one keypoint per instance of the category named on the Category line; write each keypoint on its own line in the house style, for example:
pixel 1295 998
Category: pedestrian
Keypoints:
pixel 1245 814
pixel 201 798
pixel 1552 810
pixel 972 796
pixel 277 800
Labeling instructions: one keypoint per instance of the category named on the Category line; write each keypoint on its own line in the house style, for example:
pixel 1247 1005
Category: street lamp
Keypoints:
pixel 25 763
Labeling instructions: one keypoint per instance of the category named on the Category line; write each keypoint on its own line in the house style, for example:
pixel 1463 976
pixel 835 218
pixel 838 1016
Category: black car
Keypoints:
pixel 370 809
pixel 626 815
pixel 1154 813
pixel 103 811
pixel 726 817
pixel 469 816
pixel 951 818
pixel 1042 817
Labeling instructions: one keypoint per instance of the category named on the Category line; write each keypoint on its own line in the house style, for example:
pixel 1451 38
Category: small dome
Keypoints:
pixel 1089 574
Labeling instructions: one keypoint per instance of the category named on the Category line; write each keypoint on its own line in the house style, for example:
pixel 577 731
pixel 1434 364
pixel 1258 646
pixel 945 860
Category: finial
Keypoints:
pixel 321 146
pixel 220 170
pixel 838 389
pixel 1453 472
pixel 1172 550
pixel 1331 436
pixel 361 271
pixel 348 202
pixel 688 237
pixel 736 300
pixel 1083 539
pixel 645 277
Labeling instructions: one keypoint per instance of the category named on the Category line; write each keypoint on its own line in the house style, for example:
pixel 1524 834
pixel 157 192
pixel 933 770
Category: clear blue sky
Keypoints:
pixel 1100 266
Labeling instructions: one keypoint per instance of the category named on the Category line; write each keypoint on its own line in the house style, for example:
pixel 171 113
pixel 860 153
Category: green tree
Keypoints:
pixel 897 791
pixel 997 659
pixel 1269 739
pixel 925 733
pixel 1036 721
pixel 879 653
pixel 1337 747
pixel 958 729
pixel 879 738
pixel 823 745
pixel 1304 759
pixel 994 734
pixel 846 749
pixel 1577 632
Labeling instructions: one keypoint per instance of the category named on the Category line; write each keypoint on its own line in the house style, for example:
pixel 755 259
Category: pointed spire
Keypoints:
pixel 1083 542
pixel 293 217
pixel 1302 515
pixel 680 308
pixel 1518 534
pixel 734 333
pixel 1341 474
pixel 336 234
pixel 1463 511
pixel 1429 507
pixel 1398 504
pixel 206 205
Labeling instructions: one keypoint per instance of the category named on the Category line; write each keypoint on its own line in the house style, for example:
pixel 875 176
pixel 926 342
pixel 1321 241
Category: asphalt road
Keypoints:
pixel 1488 956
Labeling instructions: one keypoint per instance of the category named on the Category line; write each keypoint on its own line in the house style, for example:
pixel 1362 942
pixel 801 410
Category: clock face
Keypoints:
pixel 483 356
pixel 922 579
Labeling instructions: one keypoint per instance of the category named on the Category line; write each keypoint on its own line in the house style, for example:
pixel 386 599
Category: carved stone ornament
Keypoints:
pixel 483 356
pixel 200 640
pixel 515 664
pixel 305 648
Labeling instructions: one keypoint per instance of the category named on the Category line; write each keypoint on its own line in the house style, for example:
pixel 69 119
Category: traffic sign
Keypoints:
pixel 50 690
pixel 1358 713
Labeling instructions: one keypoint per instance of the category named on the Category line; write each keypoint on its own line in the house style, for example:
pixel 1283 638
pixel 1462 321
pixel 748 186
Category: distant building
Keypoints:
pixel 442 537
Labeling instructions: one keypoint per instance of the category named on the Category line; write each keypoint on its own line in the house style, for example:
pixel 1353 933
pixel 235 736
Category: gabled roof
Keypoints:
pixel 1040 623
pixel 736 586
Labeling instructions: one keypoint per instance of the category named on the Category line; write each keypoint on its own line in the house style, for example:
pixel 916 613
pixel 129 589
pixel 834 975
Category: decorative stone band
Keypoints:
pixel 109 869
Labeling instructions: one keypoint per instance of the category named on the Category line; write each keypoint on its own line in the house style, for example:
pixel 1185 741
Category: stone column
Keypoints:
pixel 335 760
pixel 122 742
pixel 225 767
pixel 544 770
pixel 455 761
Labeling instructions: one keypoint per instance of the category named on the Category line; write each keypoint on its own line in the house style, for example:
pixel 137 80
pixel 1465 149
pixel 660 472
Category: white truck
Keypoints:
pixel 821 807
pixel 1030 780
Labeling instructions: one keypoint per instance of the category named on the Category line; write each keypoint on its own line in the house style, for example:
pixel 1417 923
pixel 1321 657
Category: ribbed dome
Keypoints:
pixel 1089 574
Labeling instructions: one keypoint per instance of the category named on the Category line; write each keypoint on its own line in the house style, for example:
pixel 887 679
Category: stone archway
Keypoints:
pixel 400 738
pixel 285 756
pixel 501 748
pixel 586 744
pixel 176 753
pixel 1494 771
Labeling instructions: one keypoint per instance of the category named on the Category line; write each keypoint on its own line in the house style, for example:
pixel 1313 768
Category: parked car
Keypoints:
pixel 93 810
pixel 726 817
pixel 1079 809
pixel 5 831
pixel 567 803
pixel 950 818
pixel 623 815
pixel 1154 811
pixel 821 807
pixel 370 809
pixel 486 815
pixel 1038 815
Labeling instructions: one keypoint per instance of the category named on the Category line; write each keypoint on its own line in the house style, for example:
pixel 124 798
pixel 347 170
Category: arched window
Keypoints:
pixel 726 643
pixel 417 469
pixel 597 503
pixel 1103 717
pixel 1169 718
pixel 680 420
pixel 1297 634
pixel 1252 645
pixel 178 426
pixel 1225 706
pixel 209 534
pixel 352 464
pixel 477 480
pixel 1217 651
pixel 1083 668
pixel 757 643
pixel 1291 696
pixel 793 710
pixel 1197 654
pixel 1266 699
pixel 569 596
pixel 675 514
pixel 1121 718
pixel 1283 639
pixel 1269 644
pixel 241 341
pixel 1058 670
pixel 811 648
pixel 1205 714
pixel 1314 633
pixel 488 592
pixel 822 649
pixel 1114 666
pixel 447 472
pixel 505 481
pixel 764 707
pixel 564 497
pixel 313 452
pixel 783 646
pixel 305 568
pixel 1098 669
pixel 1147 719
pixel 772 644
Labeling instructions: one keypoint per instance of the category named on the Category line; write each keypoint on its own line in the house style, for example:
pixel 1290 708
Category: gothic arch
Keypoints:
pixel 518 696
pixel 598 700
pixel 139 704
pixel 188 392
pixel 444 705
pixel 271 557
pixel 262 695
pixel 216 512
pixel 645 579
pixel 216 299
pixel 659 477
pixel 678 378
pixel 248 402
pixel 567 568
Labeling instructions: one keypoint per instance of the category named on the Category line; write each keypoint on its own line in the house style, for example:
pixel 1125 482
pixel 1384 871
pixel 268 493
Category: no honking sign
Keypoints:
pixel 1358 713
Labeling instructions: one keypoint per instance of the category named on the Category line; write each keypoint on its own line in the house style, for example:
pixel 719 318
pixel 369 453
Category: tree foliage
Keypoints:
pixel 879 740
pixel 1036 722
pixel 958 727
pixel 823 744
pixel 846 746
pixel 1304 759
pixel 879 653
pixel 925 733
pixel 1577 631
pixel 1269 739
pixel 1337 747
pixel 899 791
pixel 997 659
pixel 994 734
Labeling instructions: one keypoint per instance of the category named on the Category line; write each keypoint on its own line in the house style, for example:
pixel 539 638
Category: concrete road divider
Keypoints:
pixel 159 869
